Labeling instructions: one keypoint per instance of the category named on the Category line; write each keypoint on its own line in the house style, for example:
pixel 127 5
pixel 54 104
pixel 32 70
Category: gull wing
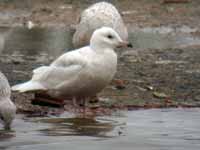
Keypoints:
pixel 64 69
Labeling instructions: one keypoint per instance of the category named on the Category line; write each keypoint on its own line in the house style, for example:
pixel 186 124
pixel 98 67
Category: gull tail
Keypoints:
pixel 27 87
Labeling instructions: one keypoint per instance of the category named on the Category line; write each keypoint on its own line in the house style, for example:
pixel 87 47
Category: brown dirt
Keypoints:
pixel 141 13
pixel 141 81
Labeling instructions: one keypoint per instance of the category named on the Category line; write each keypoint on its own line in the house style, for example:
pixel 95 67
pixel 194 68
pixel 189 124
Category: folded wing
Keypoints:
pixel 62 70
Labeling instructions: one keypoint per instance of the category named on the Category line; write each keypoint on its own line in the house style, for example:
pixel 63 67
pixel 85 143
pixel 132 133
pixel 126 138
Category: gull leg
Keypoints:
pixel 85 102
pixel 83 106
pixel 75 104
pixel 82 101
pixel 74 101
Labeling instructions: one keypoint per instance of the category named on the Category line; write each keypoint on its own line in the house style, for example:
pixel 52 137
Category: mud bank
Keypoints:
pixel 162 70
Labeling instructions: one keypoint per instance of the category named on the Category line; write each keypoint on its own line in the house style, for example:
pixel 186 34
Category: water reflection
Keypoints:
pixel 163 37
pixel 78 127
pixel 153 129
pixel 53 41
pixel 38 41
pixel 6 135
pixel 4 31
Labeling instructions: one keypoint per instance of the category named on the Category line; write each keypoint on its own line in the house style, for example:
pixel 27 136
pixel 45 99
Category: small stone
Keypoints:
pixel 120 132
pixel 94 106
pixel 148 87
pixel 30 24
pixel 130 56
pixel 159 95
pixel 129 12
pixel 167 62
pixel 17 60
pixel 141 88
pixel 119 84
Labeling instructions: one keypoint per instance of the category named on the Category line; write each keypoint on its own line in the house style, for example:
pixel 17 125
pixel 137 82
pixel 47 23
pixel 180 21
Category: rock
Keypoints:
pixel 30 24
pixel 150 88
pixel 130 56
pixel 119 84
pixel 17 60
pixel 168 101
pixel 129 12
pixel 166 62
pixel 20 72
pixel 141 88
pixel 159 95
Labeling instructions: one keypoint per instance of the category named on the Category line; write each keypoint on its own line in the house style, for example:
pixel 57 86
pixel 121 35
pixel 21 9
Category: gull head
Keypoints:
pixel 7 112
pixel 107 38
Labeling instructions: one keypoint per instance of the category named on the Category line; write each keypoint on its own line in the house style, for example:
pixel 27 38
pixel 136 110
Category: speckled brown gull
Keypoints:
pixel 96 16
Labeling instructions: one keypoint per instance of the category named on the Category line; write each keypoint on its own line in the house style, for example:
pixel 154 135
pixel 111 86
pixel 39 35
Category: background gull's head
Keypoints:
pixel 107 38
pixel 7 113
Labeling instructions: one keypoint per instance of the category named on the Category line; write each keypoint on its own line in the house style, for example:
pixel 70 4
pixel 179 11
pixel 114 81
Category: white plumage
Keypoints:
pixel 98 15
pixel 7 107
pixel 79 73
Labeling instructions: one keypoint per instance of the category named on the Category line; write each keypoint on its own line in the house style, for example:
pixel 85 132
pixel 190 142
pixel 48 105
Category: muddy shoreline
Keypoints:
pixel 147 77
pixel 146 82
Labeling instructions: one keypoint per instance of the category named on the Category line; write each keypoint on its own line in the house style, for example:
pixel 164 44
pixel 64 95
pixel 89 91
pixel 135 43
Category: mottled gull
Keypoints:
pixel 96 16
pixel 79 73
pixel 7 107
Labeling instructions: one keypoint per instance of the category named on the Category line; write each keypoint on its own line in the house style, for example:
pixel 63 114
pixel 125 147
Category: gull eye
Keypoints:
pixel 110 36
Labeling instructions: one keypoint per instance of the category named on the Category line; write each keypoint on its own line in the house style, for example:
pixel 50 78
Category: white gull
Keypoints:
pixel 79 73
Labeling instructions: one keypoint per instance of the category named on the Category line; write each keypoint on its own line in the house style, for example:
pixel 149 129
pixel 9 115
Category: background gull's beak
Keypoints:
pixel 130 45
pixel 124 44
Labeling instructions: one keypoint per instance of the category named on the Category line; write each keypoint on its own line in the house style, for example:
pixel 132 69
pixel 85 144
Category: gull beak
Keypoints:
pixel 124 44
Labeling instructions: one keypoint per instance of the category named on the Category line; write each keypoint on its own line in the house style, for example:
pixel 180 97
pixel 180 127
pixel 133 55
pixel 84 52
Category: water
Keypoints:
pixel 52 42
pixel 163 37
pixel 156 129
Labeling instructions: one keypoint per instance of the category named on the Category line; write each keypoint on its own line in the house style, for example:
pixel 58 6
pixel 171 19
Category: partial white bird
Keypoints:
pixel 79 73
pixel 7 107
pixel 96 16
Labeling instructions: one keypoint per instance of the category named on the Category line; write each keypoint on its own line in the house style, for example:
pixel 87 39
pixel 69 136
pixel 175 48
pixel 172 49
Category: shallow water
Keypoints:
pixel 163 37
pixel 164 129
pixel 52 42
pixel 37 41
